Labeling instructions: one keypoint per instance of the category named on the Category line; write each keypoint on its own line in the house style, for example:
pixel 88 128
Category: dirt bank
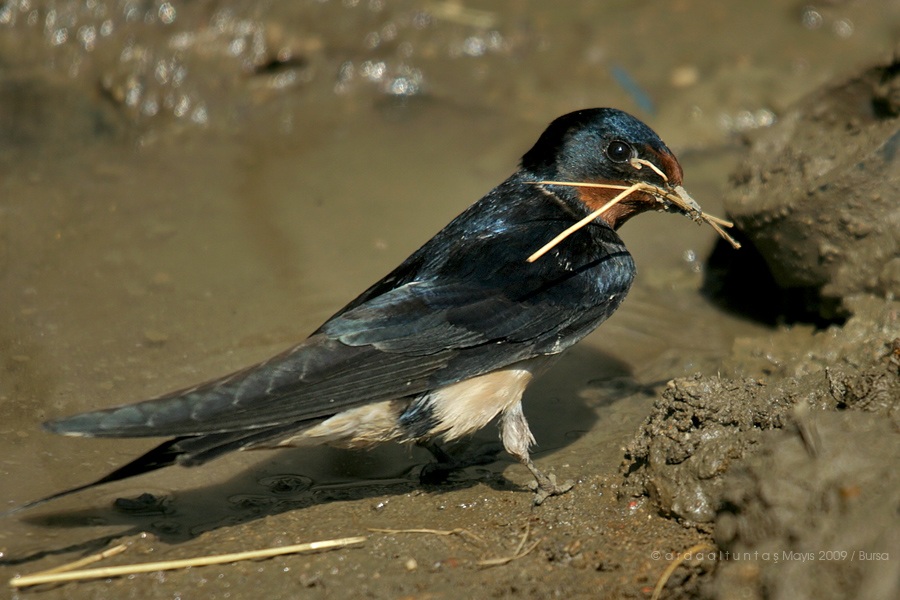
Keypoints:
pixel 789 451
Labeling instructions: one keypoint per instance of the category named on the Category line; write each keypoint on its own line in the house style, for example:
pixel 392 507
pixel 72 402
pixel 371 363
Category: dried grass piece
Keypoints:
pixel 505 560
pixel 637 162
pixel 664 578
pixel 676 195
pixel 83 562
pixel 170 565
pixel 464 533
pixel 573 228
pixel 519 553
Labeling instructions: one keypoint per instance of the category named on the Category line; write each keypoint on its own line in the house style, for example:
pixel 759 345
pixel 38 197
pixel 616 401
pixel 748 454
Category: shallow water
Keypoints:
pixel 143 249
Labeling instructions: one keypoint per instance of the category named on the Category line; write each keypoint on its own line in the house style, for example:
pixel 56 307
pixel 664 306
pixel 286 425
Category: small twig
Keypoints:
pixel 806 427
pixel 572 229
pixel 683 200
pixel 524 538
pixel 169 565
pixel 459 532
pixel 677 196
pixel 664 578
pixel 637 162
pixel 83 562
pixel 519 553
pixel 496 562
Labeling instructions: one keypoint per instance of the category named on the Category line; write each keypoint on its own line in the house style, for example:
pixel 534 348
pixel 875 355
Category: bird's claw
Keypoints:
pixel 546 486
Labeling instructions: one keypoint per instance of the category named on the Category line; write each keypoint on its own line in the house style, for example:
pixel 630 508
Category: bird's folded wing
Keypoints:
pixel 399 343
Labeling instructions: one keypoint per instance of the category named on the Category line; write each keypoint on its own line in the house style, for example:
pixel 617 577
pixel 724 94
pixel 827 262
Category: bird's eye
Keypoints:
pixel 619 151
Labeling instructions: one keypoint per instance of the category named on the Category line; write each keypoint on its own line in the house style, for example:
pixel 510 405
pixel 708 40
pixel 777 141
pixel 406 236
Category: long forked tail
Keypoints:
pixel 164 455
pixel 187 450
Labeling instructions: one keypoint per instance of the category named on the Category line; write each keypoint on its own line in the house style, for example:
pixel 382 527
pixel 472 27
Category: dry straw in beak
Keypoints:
pixel 676 195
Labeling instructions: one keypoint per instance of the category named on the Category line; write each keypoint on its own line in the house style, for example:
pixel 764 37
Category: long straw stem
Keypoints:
pixel 573 228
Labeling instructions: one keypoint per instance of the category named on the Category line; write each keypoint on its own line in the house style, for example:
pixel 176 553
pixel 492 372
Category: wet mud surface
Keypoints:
pixel 188 189
pixel 817 194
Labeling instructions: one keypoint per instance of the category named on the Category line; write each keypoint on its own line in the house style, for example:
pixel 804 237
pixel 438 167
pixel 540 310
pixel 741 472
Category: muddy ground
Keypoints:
pixel 190 188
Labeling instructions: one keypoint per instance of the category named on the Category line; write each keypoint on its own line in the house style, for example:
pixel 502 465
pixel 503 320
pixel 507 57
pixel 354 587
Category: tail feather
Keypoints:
pixel 164 455
pixel 186 450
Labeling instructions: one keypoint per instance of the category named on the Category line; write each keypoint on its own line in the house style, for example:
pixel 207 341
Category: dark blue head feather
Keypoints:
pixel 572 147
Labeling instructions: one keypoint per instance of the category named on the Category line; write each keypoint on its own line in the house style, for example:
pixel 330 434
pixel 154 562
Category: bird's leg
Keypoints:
pixel 517 438
pixel 446 463
pixel 440 455
pixel 438 471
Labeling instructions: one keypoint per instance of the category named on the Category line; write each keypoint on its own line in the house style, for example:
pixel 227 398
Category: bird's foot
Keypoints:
pixel 545 486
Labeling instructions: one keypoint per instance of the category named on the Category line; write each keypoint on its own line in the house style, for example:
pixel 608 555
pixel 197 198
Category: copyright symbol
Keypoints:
pixel 655 555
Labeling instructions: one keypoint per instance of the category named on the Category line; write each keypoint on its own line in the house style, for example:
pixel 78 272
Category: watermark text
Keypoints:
pixel 780 556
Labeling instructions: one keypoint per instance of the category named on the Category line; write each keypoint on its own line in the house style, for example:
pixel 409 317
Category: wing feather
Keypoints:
pixel 457 308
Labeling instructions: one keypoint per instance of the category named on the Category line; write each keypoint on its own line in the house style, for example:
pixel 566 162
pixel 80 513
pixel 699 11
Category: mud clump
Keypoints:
pixel 814 507
pixel 795 463
pixel 817 196
pixel 701 426
pixel 698 428
pixel 788 456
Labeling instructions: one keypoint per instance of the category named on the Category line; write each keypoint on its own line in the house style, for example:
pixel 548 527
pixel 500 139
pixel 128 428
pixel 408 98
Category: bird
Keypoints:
pixel 449 340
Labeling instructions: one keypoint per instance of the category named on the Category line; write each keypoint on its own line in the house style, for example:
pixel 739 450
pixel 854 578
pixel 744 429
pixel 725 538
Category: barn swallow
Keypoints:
pixel 449 339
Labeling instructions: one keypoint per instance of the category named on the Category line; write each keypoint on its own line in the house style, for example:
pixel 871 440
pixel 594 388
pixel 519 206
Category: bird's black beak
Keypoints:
pixel 669 198
pixel 674 198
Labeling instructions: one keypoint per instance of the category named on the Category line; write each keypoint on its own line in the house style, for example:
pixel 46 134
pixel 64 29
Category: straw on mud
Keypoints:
pixel 664 578
pixel 489 562
pixel 505 560
pixel 460 532
pixel 519 553
pixel 83 562
pixel 169 565
pixel 524 538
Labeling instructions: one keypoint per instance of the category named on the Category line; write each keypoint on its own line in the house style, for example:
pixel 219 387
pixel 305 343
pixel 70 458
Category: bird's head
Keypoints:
pixel 610 166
